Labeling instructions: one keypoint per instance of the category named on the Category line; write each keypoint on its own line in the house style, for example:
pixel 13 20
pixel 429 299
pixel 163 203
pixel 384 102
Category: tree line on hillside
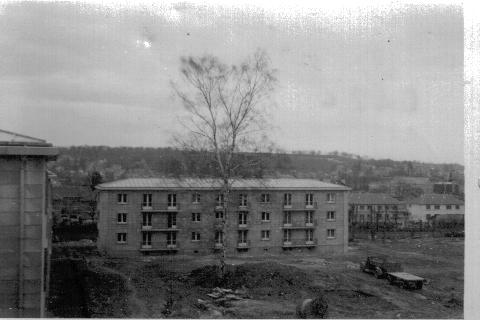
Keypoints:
pixel 75 164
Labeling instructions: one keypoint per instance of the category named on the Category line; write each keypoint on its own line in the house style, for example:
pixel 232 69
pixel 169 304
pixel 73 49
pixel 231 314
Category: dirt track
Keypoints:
pixel 351 293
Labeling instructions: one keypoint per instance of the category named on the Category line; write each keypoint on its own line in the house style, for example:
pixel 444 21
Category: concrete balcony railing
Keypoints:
pixel 158 246
pixel 300 206
pixel 243 224
pixel 296 243
pixel 160 228
pixel 243 244
pixel 160 207
pixel 299 225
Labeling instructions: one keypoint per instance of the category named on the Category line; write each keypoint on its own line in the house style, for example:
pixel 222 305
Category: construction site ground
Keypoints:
pixel 272 286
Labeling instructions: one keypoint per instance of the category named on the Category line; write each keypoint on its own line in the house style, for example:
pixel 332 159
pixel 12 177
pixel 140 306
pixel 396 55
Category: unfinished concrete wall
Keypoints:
pixel 23 236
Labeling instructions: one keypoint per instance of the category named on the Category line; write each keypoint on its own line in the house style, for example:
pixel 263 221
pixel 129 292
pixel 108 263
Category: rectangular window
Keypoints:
pixel 242 236
pixel 309 199
pixel 309 235
pixel 379 208
pixel 172 220
pixel 122 237
pixel 308 217
pixel 395 208
pixel 437 207
pixel 362 218
pixel 287 217
pixel 218 214
pixel 427 206
pixel 172 200
pixel 449 206
pixel 242 218
pixel 265 234
pixel 287 235
pixel 361 208
pixel 121 218
pixel 243 200
pixel 220 200
pixel 195 236
pixel 330 197
pixel 457 206
pixel 171 238
pixel 219 237
pixel 147 200
pixel 330 233
pixel 330 215
pixel 147 219
pixel 265 216
pixel 146 239
pixel 369 207
pixel 196 216
pixel 287 199
pixel 196 197
pixel 122 198
pixel 265 198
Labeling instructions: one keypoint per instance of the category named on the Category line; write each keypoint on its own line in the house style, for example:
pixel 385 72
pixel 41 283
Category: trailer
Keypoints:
pixel 405 280
pixel 379 266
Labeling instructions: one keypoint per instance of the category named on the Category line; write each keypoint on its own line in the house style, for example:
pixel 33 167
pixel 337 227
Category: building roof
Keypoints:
pixel 61 192
pixel 15 144
pixel 366 198
pixel 435 198
pixel 17 139
pixel 209 184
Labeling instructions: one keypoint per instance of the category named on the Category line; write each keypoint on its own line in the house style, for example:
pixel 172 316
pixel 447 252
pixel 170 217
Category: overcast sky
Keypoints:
pixel 380 83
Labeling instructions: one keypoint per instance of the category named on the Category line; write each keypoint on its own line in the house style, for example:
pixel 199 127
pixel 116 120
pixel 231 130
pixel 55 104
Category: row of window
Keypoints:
pixel 378 207
pixel 242 199
pixel 437 206
pixel 242 217
pixel 242 236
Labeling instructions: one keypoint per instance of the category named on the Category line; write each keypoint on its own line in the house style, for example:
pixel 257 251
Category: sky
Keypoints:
pixel 382 82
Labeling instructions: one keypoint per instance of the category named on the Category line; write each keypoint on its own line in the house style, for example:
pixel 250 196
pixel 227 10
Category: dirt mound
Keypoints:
pixel 273 278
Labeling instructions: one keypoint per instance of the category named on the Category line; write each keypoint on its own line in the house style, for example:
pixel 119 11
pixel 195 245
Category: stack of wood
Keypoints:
pixel 222 296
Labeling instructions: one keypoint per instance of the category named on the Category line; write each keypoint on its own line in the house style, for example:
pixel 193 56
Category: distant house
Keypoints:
pixel 446 188
pixel 72 203
pixel 438 206
pixel 367 207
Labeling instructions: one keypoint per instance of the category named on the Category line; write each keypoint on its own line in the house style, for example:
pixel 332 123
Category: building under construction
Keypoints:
pixel 24 224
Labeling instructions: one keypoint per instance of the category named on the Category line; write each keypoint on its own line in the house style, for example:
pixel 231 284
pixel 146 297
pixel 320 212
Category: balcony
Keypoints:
pixel 305 225
pixel 243 244
pixel 300 206
pixel 158 246
pixel 160 207
pixel 172 228
pixel 299 243
pixel 218 246
pixel 243 224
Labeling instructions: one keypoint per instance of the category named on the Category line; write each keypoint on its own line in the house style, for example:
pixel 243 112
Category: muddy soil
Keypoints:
pixel 167 286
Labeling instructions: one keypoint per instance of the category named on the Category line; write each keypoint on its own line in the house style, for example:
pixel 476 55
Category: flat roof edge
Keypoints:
pixel 212 188
pixel 28 151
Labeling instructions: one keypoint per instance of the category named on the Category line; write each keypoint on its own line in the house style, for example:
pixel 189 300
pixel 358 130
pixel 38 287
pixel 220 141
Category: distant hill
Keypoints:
pixel 75 163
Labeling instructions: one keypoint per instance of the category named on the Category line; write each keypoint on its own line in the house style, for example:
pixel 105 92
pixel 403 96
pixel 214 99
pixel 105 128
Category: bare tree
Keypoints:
pixel 225 108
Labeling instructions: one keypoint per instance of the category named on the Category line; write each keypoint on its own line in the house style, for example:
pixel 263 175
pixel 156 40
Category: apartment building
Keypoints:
pixel 159 216
pixel 367 208
pixel 25 213
pixel 438 206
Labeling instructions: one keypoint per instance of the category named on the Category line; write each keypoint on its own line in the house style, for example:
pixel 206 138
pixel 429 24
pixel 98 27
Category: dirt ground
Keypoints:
pixel 165 286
